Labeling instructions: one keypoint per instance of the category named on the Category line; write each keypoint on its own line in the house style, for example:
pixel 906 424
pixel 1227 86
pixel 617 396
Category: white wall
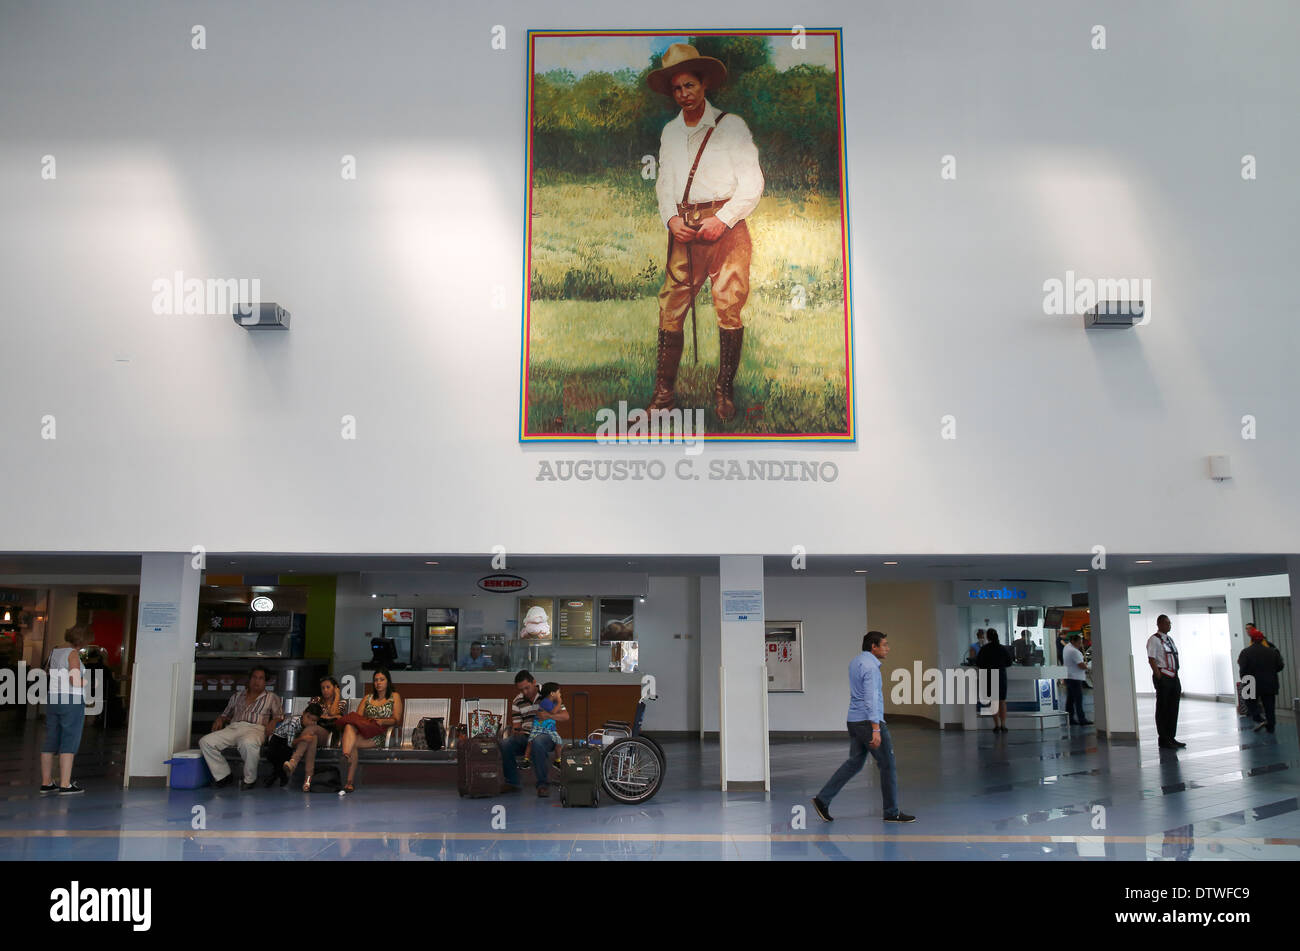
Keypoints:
pixel 225 163
pixel 833 611
pixel 1208 643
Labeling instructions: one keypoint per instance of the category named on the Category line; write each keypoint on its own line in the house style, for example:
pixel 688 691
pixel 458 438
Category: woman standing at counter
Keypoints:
pixel 368 727
pixel 995 658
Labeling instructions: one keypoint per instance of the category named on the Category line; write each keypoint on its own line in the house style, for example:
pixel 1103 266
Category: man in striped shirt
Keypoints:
pixel 246 722
pixel 524 711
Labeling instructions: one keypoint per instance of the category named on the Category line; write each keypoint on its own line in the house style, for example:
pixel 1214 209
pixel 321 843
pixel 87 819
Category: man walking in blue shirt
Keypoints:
pixel 867 731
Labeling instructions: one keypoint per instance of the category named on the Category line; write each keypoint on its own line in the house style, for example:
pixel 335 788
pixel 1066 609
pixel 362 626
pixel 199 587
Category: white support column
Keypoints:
pixel 743 730
pixel 1293 575
pixel 163 668
pixel 1112 656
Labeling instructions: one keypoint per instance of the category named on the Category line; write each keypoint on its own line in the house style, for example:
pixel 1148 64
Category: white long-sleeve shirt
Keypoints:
pixel 728 169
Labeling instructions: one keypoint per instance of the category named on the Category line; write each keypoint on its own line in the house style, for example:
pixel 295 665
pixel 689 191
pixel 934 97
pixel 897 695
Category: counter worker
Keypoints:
pixel 477 660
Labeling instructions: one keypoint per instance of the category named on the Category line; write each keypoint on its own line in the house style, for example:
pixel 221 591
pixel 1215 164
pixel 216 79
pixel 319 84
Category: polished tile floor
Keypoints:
pixel 1231 795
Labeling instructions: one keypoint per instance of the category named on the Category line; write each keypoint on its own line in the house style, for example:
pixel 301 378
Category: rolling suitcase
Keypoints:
pixel 478 765
pixel 580 766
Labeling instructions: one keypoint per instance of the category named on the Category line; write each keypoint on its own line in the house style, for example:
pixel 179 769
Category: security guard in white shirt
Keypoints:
pixel 1162 655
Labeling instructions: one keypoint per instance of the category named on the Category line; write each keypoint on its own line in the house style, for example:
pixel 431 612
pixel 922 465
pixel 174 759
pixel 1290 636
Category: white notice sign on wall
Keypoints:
pixel 742 605
pixel 159 617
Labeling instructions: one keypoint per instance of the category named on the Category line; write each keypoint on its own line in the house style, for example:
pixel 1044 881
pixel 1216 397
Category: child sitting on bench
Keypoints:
pixel 550 700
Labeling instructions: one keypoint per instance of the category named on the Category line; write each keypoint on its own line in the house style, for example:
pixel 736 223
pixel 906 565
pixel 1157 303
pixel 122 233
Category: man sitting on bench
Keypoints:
pixel 246 723
pixel 540 746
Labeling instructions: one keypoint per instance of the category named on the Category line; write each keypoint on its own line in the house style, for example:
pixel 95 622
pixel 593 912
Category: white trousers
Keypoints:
pixel 247 736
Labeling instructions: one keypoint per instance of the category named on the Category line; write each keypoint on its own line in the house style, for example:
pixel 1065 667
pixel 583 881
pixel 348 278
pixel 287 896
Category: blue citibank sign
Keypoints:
pixel 997 594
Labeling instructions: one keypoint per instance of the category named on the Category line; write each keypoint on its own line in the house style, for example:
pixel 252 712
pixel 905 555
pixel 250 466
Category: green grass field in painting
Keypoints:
pixel 597 264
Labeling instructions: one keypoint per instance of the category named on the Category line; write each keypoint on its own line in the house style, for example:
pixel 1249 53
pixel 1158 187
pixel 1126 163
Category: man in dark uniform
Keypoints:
pixel 709 182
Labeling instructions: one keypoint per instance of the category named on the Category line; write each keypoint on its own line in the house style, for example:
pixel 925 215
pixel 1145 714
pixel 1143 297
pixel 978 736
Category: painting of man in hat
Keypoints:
pixel 704 200
pixel 686 248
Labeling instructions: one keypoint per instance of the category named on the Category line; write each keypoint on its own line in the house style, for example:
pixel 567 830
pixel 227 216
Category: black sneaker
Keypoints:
pixel 52 787
pixel 246 786
pixel 1085 723
pixel 1260 725
pixel 543 792
pixel 221 783
pixel 1178 744
pixel 822 810
pixel 73 790
pixel 901 817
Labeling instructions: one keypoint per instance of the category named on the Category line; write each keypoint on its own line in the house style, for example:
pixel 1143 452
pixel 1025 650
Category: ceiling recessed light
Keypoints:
pixel 430 562
pixel 1080 569
pixel 1143 562
pixel 891 562
pixel 859 571
pixel 374 595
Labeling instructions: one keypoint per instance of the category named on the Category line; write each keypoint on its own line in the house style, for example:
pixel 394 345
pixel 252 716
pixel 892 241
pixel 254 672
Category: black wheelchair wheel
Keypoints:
pixel 632 770
pixel 663 758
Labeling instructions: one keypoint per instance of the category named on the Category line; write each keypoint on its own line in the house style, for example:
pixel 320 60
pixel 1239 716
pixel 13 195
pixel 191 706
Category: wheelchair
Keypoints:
pixel 632 763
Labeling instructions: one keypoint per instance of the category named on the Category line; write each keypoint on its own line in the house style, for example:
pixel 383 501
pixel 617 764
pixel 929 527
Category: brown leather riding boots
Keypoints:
pixel 670 355
pixel 728 362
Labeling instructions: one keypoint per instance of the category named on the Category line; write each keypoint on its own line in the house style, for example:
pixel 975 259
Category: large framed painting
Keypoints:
pixel 687 237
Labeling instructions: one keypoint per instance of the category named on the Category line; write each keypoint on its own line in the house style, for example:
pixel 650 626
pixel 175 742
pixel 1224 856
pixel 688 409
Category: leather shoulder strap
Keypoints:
pixel 686 195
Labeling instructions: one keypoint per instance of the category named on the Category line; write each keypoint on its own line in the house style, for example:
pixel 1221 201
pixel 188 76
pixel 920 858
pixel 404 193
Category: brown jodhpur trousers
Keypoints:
pixel 725 262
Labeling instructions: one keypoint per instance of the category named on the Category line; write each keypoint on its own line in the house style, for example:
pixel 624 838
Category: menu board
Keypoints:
pixel 574 619
pixel 616 616
pixel 536 619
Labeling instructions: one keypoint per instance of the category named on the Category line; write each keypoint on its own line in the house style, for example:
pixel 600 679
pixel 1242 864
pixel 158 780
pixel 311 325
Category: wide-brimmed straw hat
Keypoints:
pixel 683 58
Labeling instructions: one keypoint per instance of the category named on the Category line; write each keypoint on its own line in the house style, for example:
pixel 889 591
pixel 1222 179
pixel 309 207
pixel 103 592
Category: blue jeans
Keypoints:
pixel 859 747
pixel 539 751
pixel 1074 700
pixel 63 725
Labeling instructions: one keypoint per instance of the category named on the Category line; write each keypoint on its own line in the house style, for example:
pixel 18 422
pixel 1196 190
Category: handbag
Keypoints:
pixel 429 734
pixel 366 728
pixel 484 723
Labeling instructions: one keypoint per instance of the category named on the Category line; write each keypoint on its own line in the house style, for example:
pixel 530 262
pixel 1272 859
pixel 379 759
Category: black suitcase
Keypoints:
pixel 580 766
pixel 478 765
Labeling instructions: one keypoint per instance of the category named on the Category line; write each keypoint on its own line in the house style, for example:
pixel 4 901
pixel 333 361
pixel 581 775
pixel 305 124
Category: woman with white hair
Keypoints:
pixel 65 714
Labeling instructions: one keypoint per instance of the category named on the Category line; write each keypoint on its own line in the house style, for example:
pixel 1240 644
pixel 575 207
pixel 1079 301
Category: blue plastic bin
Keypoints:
pixel 189 771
